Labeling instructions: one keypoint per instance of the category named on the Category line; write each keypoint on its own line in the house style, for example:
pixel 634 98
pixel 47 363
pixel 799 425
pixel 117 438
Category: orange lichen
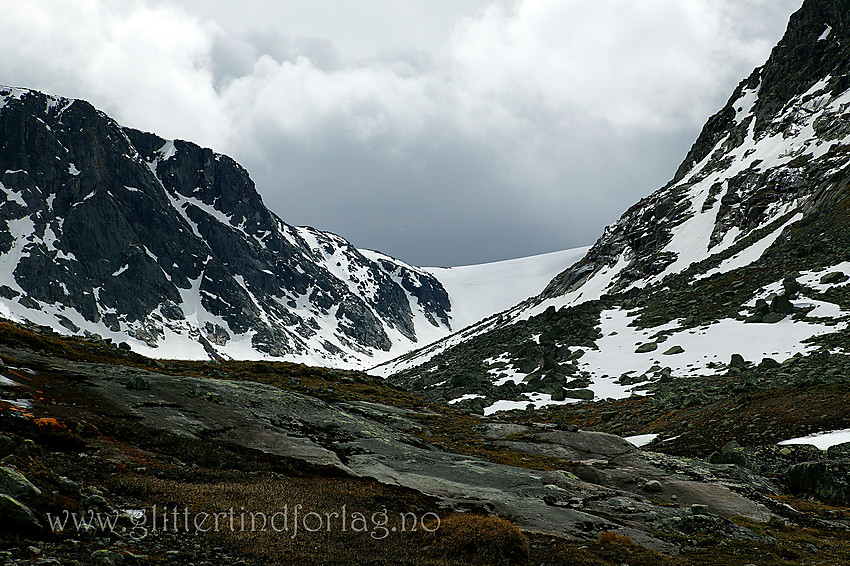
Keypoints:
pixel 51 424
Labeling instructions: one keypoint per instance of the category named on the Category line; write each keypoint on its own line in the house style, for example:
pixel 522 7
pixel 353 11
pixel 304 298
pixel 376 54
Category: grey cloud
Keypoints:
pixel 454 136
pixel 234 54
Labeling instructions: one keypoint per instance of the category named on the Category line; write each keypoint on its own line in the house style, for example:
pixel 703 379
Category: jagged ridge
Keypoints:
pixel 110 230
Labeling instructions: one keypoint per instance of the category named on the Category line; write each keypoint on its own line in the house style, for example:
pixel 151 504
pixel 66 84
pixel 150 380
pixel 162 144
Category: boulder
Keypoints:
pixel 139 383
pixel 781 305
pixel 700 509
pixel 834 277
pixel 791 286
pixel 106 558
pixel 733 453
pixel 584 394
pixel 674 350
pixel 646 348
pixel 14 484
pixel 716 458
pixel 737 361
pixel 772 318
pixel 828 480
pixel 68 486
pixel 17 517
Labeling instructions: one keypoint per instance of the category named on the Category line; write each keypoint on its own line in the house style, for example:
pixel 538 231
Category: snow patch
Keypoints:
pixel 467 397
pixel 640 440
pixel 822 440
pixel 479 291
pixel 714 343
pixel 751 253
pixel 167 151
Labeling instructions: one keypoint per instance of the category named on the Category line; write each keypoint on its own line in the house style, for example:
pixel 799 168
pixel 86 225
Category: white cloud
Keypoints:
pixel 653 64
pixel 147 65
pixel 543 98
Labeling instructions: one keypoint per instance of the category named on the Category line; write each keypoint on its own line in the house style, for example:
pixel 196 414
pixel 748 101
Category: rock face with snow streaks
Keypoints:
pixel 752 221
pixel 118 232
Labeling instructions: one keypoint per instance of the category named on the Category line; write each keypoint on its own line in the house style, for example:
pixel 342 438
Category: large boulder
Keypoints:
pixel 839 451
pixel 15 484
pixel 791 286
pixel 17 517
pixel 781 305
pixel 834 277
pixel 828 480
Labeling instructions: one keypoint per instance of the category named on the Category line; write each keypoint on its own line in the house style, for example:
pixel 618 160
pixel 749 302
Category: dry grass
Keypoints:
pixel 479 540
pixel 395 529
pixel 610 537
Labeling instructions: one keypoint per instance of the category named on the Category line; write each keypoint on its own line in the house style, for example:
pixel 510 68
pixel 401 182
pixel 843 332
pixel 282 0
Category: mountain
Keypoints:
pixel 168 246
pixel 741 259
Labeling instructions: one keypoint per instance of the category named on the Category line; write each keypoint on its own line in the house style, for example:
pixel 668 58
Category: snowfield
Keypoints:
pixel 479 291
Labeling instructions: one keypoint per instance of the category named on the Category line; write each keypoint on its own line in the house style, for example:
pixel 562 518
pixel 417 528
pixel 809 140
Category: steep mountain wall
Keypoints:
pixel 168 245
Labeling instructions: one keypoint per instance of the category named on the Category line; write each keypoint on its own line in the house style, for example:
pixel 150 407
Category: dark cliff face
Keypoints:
pixel 118 231
pixel 797 62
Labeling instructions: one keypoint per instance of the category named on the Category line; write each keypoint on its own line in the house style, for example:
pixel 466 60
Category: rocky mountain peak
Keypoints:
pixel 737 268
pixel 124 234
pixel 764 152
pixel 813 48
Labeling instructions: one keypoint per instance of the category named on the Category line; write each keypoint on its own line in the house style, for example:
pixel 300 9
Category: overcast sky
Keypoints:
pixel 442 132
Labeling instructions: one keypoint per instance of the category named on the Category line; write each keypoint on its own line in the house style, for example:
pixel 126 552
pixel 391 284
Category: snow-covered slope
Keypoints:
pixel 757 211
pixel 479 291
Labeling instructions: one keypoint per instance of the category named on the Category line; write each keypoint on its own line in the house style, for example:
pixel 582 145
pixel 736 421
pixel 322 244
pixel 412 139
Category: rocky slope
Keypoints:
pixel 118 439
pixel 168 246
pixel 740 258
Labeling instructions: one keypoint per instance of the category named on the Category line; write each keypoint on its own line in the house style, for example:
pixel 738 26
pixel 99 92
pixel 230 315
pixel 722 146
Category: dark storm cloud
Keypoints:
pixel 438 132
